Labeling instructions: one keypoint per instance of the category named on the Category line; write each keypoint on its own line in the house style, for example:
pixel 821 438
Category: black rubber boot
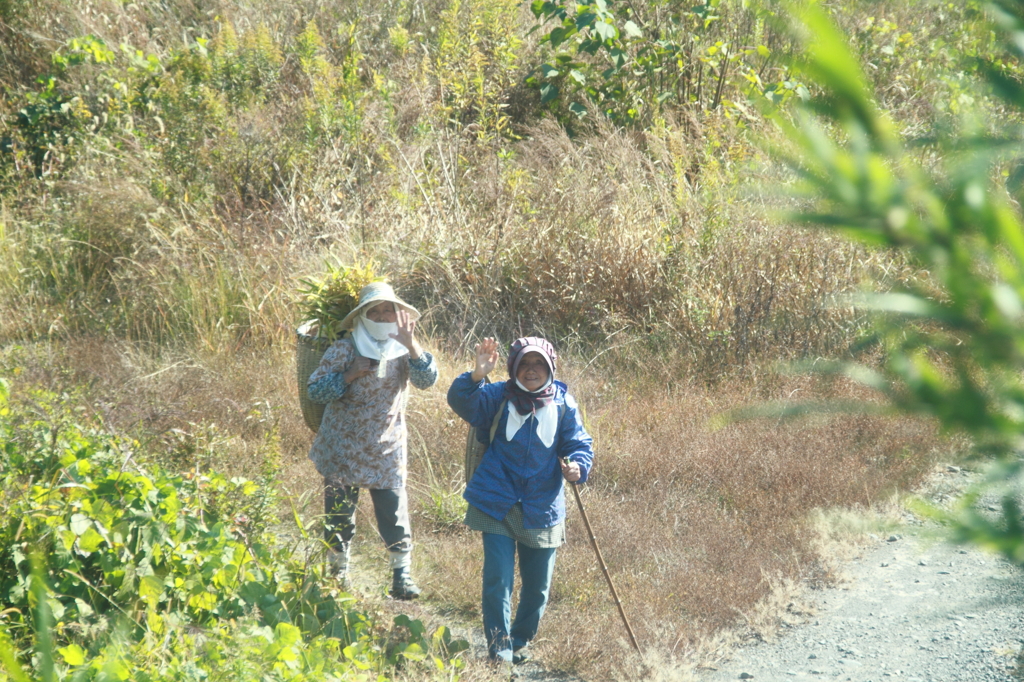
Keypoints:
pixel 402 586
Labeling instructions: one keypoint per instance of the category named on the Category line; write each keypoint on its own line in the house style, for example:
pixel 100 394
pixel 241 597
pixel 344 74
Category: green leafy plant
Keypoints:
pixel 952 340
pixel 333 105
pixel 326 300
pixel 476 63
pixel 138 557
pixel 54 116
pixel 629 61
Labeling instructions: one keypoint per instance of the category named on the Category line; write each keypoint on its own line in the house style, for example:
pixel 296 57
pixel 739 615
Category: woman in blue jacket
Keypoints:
pixel 516 495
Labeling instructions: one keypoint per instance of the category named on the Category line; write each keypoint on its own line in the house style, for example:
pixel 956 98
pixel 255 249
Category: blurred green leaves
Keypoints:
pixel 953 338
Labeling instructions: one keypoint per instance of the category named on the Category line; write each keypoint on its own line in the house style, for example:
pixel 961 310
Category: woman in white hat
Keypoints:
pixel 363 380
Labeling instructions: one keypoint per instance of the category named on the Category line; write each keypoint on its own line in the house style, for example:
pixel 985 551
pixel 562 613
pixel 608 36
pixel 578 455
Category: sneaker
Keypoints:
pixel 502 669
pixel 402 586
pixel 521 654
pixel 501 665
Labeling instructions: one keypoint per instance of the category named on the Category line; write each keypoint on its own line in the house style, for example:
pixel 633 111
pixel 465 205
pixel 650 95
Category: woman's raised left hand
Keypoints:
pixel 406 332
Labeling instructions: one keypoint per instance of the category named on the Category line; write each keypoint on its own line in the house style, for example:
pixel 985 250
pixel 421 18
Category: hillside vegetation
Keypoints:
pixel 169 171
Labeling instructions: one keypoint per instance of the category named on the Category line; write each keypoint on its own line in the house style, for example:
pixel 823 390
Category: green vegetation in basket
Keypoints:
pixel 139 561
pixel 330 298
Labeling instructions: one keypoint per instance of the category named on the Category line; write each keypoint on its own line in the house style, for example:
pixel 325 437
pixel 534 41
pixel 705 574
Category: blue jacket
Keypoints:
pixel 523 469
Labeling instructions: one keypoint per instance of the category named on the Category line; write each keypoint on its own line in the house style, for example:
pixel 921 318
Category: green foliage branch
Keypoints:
pixel 607 55
pixel 953 340
pixel 53 116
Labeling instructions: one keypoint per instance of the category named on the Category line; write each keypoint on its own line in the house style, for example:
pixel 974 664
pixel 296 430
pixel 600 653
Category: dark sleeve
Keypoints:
pixel 327 388
pixel 327 382
pixel 423 371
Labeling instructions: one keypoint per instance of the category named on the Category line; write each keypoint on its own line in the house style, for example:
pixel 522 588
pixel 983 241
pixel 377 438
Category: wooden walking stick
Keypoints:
pixel 600 560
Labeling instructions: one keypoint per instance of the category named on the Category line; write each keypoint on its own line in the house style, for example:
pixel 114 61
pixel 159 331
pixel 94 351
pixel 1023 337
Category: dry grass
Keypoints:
pixel 705 531
pixel 592 242
pixel 652 237
pixel 697 524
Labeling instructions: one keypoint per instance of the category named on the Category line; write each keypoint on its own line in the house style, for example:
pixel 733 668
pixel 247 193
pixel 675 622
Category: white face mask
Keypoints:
pixel 546 384
pixel 379 330
pixel 373 340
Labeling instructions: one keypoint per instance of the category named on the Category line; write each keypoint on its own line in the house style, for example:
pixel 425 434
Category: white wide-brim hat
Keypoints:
pixel 371 295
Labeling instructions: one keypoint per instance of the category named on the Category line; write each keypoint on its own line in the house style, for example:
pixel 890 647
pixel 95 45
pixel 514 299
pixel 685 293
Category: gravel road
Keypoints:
pixel 912 608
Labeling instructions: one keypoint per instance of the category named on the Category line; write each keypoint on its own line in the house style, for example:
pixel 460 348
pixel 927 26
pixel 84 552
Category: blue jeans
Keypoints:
pixel 535 569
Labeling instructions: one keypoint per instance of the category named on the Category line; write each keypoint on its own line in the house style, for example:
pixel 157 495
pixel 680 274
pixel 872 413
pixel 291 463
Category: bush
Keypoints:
pixel 634 62
pixel 134 551
pixel 476 64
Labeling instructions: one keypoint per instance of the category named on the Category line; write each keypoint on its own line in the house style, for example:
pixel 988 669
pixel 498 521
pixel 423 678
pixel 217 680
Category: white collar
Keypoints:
pixel 547 422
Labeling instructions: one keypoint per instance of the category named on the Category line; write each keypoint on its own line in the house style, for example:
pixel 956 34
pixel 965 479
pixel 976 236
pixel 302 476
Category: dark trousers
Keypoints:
pixel 390 506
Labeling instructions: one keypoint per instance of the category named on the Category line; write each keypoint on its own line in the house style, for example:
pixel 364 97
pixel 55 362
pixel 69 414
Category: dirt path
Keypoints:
pixel 912 608
pixel 365 582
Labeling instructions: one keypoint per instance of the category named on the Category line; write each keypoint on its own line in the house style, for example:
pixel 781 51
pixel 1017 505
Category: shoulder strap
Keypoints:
pixel 562 408
pixel 497 418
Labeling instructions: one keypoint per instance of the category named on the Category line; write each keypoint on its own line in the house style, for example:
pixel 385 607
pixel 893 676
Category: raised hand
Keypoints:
pixel 486 358
pixel 405 334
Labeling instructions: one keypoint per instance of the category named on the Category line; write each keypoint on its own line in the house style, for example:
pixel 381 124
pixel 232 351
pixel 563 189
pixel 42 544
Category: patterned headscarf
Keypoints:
pixel 525 401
